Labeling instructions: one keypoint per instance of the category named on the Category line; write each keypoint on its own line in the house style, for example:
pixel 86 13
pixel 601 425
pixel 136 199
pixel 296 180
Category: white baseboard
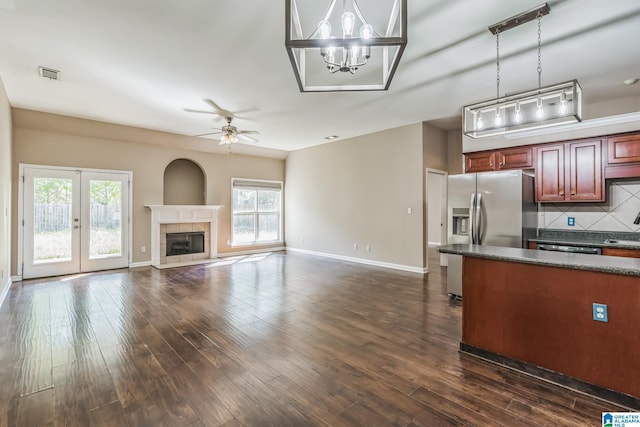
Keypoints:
pixel 364 261
pixel 5 291
pixel 16 278
pixel 140 264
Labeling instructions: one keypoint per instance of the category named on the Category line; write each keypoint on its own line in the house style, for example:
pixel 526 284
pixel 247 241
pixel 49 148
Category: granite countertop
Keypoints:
pixel 604 264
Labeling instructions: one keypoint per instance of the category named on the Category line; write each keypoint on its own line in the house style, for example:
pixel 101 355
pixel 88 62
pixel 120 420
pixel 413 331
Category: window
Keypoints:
pixel 257 207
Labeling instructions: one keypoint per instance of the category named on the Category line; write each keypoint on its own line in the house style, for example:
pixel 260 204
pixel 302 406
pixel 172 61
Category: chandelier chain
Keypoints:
pixel 539 50
pixel 497 63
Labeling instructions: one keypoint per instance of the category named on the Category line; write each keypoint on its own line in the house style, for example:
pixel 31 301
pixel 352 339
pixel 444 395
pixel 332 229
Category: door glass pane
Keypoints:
pixel 105 236
pixel 52 222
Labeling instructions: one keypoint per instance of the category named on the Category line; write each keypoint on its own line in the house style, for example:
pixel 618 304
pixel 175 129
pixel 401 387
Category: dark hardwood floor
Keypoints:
pixel 266 340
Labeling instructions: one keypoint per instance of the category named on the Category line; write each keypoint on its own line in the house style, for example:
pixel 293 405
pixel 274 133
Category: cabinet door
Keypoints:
pixel 623 149
pixel 515 158
pixel 629 253
pixel 480 162
pixel 550 173
pixel 585 171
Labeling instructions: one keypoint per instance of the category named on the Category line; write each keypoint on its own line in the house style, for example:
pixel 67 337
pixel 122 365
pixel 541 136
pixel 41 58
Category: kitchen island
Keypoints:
pixel 534 311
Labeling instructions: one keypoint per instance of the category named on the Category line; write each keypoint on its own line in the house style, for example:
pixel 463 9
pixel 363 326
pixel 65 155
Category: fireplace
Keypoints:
pixel 188 221
pixel 185 243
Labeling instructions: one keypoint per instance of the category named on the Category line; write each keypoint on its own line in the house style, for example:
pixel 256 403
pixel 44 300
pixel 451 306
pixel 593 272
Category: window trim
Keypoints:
pixel 257 185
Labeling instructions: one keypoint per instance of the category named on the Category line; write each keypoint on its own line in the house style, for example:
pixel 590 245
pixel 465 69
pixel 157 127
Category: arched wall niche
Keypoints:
pixel 184 183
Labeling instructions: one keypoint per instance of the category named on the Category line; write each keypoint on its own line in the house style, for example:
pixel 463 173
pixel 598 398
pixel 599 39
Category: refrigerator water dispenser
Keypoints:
pixel 460 217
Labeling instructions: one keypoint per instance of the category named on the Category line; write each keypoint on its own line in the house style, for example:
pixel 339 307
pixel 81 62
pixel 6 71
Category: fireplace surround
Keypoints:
pixel 168 219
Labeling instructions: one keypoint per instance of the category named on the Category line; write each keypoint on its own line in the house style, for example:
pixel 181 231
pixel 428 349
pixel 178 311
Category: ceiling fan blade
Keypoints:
pixel 247 138
pixel 189 110
pixel 209 133
pixel 218 110
pixel 245 132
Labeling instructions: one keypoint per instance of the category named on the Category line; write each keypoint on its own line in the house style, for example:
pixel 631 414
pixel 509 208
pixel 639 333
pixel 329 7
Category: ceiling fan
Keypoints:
pixel 229 134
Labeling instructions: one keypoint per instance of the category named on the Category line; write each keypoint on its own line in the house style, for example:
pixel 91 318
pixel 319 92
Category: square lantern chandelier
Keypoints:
pixel 344 47
pixel 552 105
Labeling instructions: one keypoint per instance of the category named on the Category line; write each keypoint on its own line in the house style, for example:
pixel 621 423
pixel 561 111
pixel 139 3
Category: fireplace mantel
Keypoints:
pixel 177 214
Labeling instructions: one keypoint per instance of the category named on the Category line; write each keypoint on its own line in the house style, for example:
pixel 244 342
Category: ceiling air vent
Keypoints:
pixel 49 73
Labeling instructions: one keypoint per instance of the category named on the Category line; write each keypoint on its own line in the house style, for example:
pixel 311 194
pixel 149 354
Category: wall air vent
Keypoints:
pixel 49 73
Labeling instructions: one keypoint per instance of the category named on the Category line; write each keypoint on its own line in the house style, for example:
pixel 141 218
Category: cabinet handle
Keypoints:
pixel 562 193
pixel 573 194
pixel 491 163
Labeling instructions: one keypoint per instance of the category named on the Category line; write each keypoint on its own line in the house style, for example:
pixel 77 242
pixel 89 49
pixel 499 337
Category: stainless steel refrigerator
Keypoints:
pixel 488 208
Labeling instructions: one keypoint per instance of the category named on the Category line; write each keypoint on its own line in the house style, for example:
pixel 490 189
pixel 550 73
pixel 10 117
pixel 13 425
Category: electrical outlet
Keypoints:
pixel 571 221
pixel 355 246
pixel 600 312
pixel 409 211
pixel 143 249
pixel 368 248
pixel 302 240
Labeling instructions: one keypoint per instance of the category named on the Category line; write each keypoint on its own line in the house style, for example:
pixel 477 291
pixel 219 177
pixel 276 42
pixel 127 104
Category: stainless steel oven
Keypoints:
pixel 590 250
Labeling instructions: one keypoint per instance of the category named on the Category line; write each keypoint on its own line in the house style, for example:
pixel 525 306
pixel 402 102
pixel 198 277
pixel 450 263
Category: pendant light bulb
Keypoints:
pixel 518 115
pixel 324 29
pixel 479 123
pixel 498 120
pixel 563 103
pixel 348 23
pixel 366 31
pixel 539 109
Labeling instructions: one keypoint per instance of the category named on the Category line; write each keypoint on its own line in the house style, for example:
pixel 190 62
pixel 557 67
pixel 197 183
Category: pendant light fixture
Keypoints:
pixel 339 50
pixel 538 108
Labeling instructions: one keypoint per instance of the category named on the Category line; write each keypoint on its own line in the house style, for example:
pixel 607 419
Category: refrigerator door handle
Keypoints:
pixel 479 218
pixel 472 219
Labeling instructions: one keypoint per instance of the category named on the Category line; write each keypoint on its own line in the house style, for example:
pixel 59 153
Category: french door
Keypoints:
pixel 74 221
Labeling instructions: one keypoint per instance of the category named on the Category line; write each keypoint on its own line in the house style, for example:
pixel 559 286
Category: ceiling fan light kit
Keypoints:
pixel 339 50
pixel 543 107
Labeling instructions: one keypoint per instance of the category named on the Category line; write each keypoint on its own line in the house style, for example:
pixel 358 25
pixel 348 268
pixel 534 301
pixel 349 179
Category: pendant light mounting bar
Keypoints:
pixel 520 19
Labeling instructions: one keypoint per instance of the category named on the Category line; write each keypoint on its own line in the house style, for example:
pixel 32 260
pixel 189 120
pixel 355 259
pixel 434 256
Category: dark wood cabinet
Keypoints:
pixel 550 173
pixel 629 253
pixel 623 156
pixel 585 171
pixel 480 162
pixel 509 158
pixel 570 172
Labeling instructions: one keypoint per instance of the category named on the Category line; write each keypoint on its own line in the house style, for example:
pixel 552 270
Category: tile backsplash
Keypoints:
pixel 616 214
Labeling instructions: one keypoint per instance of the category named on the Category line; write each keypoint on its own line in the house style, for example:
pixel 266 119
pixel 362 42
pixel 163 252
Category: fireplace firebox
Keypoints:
pixel 185 243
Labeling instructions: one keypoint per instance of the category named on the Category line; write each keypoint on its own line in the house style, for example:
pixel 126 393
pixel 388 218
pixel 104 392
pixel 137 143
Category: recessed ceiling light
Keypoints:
pixel 330 137
pixel 630 82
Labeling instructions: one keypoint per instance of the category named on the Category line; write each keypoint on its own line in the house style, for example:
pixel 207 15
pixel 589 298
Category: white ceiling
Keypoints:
pixel 141 63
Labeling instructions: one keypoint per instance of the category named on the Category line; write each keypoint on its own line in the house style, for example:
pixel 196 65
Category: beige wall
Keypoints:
pixel 434 151
pixel 454 152
pixel 358 191
pixel 5 191
pixel 48 139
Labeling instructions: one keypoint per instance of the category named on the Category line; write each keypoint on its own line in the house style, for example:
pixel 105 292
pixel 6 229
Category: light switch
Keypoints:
pixel 409 211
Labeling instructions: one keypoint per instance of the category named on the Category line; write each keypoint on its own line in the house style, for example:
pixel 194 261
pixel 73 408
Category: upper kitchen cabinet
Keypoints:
pixel 508 158
pixel 570 172
pixel 623 156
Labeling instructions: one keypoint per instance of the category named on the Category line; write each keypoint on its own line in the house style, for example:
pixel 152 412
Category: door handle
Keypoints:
pixel 479 218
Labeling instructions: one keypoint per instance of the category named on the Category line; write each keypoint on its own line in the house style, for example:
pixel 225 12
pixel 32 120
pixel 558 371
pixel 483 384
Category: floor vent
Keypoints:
pixel 49 73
